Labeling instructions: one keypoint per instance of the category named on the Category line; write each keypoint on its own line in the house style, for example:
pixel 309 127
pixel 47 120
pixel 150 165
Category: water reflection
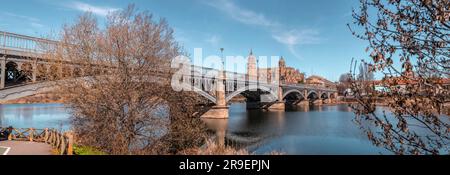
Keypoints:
pixel 34 116
pixel 298 130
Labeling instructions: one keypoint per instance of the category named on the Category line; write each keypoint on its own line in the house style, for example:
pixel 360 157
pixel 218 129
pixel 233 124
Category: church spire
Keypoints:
pixel 282 62
pixel 251 66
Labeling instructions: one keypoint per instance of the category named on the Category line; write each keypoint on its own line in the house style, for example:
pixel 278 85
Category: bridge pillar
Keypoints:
pixel 279 105
pixel 305 94
pixel 319 101
pixel 335 97
pixel 2 72
pixel 303 103
pixel 327 100
pixel 34 72
pixel 220 110
pixel 19 66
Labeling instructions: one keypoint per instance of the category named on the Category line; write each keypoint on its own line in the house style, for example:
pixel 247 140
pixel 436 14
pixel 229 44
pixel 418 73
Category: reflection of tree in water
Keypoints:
pixel 27 113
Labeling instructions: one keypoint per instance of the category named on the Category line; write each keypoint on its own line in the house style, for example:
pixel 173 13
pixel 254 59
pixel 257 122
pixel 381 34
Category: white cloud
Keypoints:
pixel 296 37
pixel 32 21
pixel 214 40
pixel 36 25
pixel 85 7
pixel 23 17
pixel 290 38
pixel 240 14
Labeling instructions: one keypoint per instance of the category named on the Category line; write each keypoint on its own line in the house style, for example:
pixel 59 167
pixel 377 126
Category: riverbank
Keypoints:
pixel 44 98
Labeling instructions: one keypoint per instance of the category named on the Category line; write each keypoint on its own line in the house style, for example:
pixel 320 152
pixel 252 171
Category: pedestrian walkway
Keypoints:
pixel 24 148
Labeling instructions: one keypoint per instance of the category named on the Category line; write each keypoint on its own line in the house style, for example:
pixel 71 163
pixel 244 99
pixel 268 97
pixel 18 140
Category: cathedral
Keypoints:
pixel 288 75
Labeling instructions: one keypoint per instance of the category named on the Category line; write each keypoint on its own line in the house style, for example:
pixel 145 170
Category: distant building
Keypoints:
pixel 320 81
pixel 290 75
pixel 252 69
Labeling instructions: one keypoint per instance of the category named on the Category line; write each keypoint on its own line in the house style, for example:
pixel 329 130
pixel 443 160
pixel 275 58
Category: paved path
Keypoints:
pixel 25 148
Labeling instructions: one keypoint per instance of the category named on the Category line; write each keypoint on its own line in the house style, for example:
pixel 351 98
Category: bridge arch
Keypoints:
pixel 332 96
pixel 77 72
pixel 324 95
pixel 292 91
pixel 53 72
pixel 312 95
pixel 66 71
pixel 312 92
pixel 41 72
pixel 248 88
pixel 200 92
pixel 26 71
pixel 13 75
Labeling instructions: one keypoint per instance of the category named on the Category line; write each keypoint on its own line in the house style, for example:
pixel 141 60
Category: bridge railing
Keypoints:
pixel 63 142
pixel 16 42
pixel 307 86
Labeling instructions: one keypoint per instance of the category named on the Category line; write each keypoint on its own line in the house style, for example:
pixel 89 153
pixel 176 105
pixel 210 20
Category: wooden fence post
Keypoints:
pixel 52 137
pixel 57 139
pixel 69 143
pixel 62 145
pixel 46 135
pixel 10 133
pixel 30 134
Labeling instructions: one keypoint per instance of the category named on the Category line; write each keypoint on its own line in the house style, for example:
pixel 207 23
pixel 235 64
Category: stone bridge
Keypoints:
pixel 23 70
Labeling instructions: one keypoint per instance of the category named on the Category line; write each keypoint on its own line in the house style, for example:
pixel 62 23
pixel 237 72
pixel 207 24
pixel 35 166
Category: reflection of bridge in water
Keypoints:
pixel 24 72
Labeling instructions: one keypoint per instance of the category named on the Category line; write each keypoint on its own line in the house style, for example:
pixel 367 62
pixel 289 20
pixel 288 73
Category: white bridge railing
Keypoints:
pixel 22 43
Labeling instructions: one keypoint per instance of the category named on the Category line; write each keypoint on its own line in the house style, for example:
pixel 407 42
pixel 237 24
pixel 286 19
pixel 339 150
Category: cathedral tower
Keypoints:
pixel 252 67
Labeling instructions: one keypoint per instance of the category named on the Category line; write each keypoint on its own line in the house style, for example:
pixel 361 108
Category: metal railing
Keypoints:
pixel 23 43
pixel 312 87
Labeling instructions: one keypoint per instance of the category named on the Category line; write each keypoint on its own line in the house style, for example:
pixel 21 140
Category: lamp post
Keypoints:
pixel 257 71
pixel 223 63
pixel 223 60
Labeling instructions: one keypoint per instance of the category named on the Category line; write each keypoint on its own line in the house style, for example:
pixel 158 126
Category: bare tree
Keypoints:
pixel 409 44
pixel 344 83
pixel 364 73
pixel 119 87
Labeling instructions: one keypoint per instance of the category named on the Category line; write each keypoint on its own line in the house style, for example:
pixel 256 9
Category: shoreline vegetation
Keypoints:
pixel 51 97
pixel 209 148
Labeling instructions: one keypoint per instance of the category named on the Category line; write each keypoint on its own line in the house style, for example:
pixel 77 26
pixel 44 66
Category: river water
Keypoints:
pixel 35 116
pixel 300 130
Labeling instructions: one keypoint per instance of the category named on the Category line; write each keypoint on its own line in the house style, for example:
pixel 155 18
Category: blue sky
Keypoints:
pixel 310 34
